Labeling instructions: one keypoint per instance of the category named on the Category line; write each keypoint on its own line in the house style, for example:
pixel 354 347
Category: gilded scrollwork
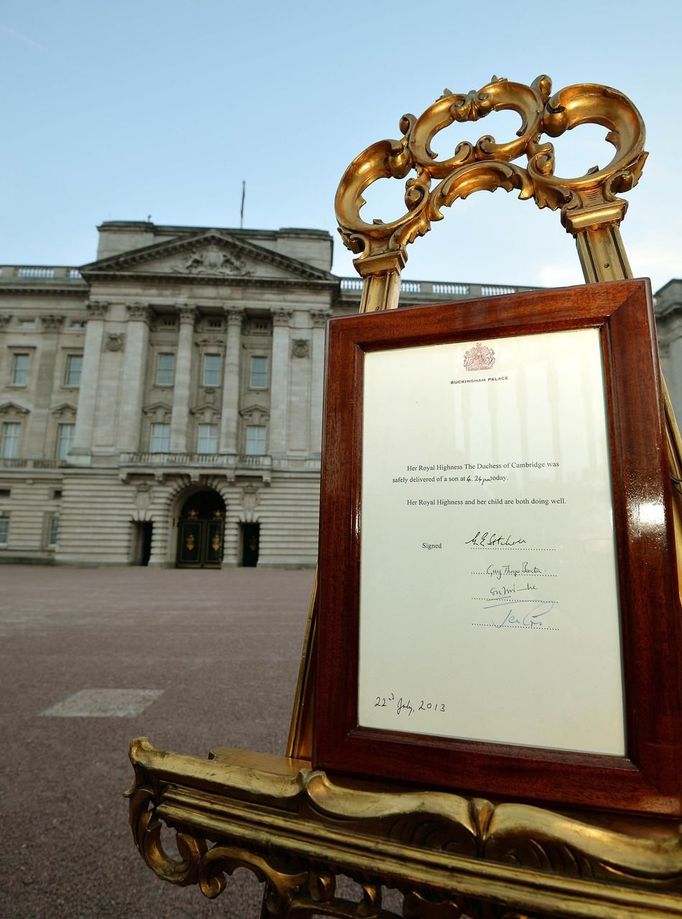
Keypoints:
pixel 449 856
pixel 488 164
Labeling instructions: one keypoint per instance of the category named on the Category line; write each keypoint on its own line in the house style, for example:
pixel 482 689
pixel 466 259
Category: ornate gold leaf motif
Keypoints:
pixel 449 856
pixel 487 164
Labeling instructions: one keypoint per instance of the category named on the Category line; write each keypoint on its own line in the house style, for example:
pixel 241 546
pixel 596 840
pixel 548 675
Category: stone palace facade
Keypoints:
pixel 162 405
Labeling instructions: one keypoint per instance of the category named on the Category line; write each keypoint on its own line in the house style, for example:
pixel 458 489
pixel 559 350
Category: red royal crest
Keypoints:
pixel 480 357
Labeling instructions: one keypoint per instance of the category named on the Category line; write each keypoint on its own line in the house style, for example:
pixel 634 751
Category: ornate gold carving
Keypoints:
pixel 488 165
pixel 297 829
pixel 216 542
pixel 190 542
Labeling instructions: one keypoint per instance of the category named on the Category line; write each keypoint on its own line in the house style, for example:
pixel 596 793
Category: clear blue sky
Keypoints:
pixel 120 109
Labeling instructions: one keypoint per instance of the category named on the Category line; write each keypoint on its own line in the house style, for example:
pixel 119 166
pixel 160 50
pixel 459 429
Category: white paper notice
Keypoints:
pixel 489 602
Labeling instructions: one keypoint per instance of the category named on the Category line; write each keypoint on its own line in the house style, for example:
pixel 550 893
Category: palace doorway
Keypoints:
pixel 200 531
pixel 250 542
pixel 142 542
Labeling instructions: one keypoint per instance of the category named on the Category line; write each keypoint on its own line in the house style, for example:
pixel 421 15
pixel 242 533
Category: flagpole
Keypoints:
pixel 241 213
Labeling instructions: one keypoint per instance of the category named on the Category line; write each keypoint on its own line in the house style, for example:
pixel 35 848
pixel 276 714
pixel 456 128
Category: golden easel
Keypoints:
pixel 450 856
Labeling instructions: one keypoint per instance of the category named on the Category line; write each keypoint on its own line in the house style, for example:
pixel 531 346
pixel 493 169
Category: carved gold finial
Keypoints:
pixel 584 201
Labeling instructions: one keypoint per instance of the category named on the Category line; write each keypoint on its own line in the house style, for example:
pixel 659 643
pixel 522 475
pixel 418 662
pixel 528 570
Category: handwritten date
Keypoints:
pixel 405 706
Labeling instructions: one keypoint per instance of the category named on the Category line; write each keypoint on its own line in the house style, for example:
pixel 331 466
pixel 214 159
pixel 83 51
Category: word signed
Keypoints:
pixel 404 706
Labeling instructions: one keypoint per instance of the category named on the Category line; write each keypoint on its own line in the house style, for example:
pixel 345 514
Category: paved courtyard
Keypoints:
pixel 90 658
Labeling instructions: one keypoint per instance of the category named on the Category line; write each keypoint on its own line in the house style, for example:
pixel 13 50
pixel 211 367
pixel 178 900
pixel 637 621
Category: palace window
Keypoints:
pixel 211 370
pixel 258 376
pixel 65 434
pixel 165 369
pixel 20 370
pixel 255 440
pixel 9 439
pixel 207 438
pixel 74 367
pixel 159 438
pixel 4 529
pixel 52 530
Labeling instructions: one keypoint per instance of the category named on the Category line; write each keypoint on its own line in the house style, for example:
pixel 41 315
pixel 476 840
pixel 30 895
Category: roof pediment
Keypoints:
pixel 210 254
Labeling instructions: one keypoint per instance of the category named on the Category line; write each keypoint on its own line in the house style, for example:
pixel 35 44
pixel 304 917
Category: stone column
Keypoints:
pixel 183 380
pixel 37 438
pixel 134 373
pixel 317 380
pixel 279 384
pixel 87 395
pixel 230 408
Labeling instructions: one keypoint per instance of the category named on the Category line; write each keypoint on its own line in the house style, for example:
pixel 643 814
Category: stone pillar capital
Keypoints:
pixel 186 313
pixel 233 316
pixel 5 320
pixel 138 312
pixel 97 309
pixel 281 317
pixel 319 317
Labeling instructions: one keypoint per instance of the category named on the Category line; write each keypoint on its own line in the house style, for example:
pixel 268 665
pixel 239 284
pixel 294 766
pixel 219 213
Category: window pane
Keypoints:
pixel 211 375
pixel 207 438
pixel 165 369
pixel 259 373
pixel 159 439
pixel 255 440
pixel 4 528
pixel 74 365
pixel 64 439
pixel 20 370
pixel 53 531
pixel 10 440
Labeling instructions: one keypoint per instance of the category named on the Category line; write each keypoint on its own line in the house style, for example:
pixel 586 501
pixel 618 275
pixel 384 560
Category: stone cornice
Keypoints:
pixel 45 290
pixel 331 284
pixel 668 311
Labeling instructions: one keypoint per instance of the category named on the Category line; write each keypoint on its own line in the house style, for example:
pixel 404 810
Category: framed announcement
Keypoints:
pixel 497 603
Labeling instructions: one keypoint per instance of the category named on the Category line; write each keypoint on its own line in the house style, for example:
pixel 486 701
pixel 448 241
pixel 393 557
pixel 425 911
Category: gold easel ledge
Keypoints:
pixel 293 826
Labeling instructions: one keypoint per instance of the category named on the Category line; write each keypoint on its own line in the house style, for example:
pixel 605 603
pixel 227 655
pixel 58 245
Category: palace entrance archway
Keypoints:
pixel 200 531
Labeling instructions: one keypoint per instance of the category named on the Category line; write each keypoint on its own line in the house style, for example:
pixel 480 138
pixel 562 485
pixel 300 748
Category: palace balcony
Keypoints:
pixel 196 464
pixel 28 462
pixel 418 292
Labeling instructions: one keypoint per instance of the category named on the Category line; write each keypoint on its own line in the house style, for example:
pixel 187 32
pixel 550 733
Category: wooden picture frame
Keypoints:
pixel 610 664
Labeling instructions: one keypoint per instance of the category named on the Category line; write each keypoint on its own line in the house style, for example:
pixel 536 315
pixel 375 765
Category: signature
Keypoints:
pixel 504 571
pixel 486 538
pixel 506 590
pixel 533 619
